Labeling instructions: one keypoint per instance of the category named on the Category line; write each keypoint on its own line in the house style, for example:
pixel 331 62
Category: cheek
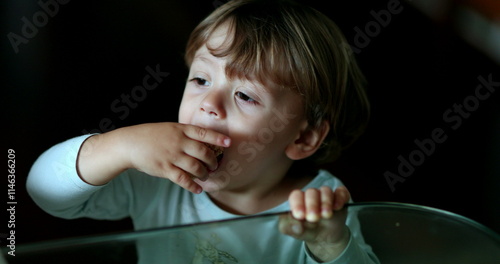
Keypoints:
pixel 185 112
pixel 268 134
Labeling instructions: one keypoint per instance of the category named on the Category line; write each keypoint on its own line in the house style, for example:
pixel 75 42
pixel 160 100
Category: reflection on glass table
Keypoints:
pixel 398 233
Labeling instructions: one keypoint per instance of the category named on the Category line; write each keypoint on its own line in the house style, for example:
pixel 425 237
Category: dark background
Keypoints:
pixel 64 80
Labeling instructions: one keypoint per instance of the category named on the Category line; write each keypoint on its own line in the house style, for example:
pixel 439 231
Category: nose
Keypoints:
pixel 213 105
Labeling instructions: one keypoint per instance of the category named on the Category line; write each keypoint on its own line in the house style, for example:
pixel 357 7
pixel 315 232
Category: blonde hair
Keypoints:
pixel 296 47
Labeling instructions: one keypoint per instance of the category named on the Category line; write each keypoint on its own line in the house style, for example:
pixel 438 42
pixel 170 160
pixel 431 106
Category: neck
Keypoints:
pixel 255 200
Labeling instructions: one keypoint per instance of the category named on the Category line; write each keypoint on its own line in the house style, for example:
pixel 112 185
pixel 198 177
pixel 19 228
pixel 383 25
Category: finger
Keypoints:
pixel 183 179
pixel 296 200
pixel 341 196
pixel 313 205
pixel 207 136
pixel 201 152
pixel 326 202
pixel 192 166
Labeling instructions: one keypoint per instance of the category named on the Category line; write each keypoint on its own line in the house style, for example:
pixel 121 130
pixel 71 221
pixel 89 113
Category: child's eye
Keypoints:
pixel 200 81
pixel 245 98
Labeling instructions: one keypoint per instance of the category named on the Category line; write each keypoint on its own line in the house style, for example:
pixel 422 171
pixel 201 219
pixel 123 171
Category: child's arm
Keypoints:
pixel 168 150
pixel 318 219
pixel 62 188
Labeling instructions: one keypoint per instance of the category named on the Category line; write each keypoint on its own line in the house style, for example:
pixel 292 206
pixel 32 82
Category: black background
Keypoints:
pixel 64 80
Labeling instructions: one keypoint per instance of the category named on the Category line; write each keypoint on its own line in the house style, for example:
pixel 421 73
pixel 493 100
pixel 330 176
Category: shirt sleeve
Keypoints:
pixel 55 186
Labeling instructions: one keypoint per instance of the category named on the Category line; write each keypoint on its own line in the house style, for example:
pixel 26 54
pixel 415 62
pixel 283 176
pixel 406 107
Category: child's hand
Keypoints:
pixel 175 151
pixel 318 219
pixel 168 150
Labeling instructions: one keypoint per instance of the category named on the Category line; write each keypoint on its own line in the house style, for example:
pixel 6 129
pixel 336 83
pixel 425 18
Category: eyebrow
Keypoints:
pixel 204 58
pixel 254 84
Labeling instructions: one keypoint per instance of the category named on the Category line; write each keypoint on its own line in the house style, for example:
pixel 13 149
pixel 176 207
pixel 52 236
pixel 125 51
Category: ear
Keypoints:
pixel 307 141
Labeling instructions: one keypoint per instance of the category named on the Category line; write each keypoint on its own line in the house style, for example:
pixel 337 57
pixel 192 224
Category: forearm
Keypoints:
pixel 101 158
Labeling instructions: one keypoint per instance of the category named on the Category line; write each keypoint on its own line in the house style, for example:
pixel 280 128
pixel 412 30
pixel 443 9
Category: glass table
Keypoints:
pixel 398 233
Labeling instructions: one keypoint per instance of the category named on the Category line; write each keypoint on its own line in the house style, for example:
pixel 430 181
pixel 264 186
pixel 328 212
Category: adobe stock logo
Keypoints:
pixel 453 117
pixel 372 28
pixel 127 101
pixel 40 19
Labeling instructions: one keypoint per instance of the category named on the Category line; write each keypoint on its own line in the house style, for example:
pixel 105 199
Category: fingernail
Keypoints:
pixel 327 214
pixel 227 142
pixel 298 214
pixel 312 217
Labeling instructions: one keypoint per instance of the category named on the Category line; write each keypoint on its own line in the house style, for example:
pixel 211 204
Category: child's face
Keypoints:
pixel 261 120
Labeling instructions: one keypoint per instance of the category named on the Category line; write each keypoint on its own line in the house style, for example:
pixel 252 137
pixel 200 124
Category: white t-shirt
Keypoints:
pixel 153 202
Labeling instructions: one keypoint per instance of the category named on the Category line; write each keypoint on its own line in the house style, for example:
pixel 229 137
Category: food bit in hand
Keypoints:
pixel 218 151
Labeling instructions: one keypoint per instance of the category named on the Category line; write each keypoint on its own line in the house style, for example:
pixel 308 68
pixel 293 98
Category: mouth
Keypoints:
pixel 219 160
pixel 219 153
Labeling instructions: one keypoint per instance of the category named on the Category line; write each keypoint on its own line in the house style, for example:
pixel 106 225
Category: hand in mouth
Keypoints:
pixel 218 151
